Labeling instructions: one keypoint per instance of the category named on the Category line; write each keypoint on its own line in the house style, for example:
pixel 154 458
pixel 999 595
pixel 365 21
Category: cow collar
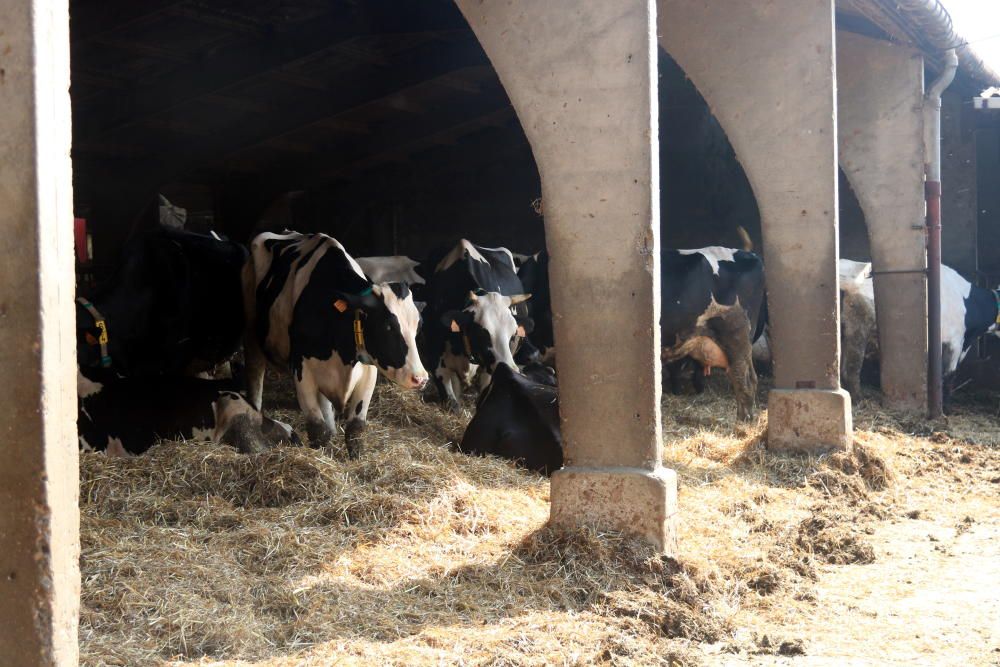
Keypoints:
pixel 101 324
pixel 359 339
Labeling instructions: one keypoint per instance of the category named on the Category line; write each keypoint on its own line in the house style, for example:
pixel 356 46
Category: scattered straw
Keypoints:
pixel 415 554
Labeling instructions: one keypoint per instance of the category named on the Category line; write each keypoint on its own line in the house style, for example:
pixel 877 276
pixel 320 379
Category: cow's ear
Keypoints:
pixel 455 320
pixel 343 301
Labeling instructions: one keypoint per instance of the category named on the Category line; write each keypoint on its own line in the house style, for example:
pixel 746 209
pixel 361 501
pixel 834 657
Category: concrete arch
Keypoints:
pixel 880 114
pixel 582 78
pixel 783 52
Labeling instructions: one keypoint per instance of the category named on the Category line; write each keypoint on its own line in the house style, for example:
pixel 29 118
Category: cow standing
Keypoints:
pixel 175 306
pixel 967 312
pixel 127 416
pixel 310 309
pixel 475 316
pixel 711 311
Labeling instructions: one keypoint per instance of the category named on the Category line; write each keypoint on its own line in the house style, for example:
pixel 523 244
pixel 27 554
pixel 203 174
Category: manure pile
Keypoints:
pixel 414 554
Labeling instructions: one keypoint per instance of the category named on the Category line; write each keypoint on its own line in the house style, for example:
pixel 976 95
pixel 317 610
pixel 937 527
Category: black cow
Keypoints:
pixel 533 270
pixel 712 301
pixel 310 309
pixel 127 416
pixel 517 419
pixel 175 306
pixel 475 316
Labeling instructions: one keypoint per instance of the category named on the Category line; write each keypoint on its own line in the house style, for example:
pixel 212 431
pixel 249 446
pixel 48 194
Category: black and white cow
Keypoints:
pixel 310 309
pixel 475 317
pixel 967 312
pixel 175 306
pixel 127 416
pixel 711 311
pixel 517 419
pixel 533 270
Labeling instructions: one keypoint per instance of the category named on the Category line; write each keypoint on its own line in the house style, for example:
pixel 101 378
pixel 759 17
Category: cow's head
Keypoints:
pixel 492 327
pixel 242 426
pixel 388 321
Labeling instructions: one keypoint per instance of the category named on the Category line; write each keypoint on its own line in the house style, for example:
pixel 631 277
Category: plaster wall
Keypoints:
pixel 39 479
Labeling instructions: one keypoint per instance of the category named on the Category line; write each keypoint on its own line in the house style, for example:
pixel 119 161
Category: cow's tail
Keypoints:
pixel 745 239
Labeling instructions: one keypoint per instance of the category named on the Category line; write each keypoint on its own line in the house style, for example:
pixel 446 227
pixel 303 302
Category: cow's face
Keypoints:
pixel 390 322
pixel 491 327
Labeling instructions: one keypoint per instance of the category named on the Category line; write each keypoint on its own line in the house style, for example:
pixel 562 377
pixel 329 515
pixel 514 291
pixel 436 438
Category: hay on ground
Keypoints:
pixel 415 554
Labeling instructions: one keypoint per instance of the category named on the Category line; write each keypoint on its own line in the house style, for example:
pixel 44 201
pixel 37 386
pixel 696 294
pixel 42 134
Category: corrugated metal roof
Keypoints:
pixel 926 25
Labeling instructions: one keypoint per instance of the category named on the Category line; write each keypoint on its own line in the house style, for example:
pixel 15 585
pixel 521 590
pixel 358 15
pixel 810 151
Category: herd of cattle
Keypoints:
pixel 182 304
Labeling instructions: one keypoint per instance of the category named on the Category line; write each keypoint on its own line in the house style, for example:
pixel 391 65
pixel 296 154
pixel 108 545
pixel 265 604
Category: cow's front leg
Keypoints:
pixel 318 429
pixel 698 372
pixel 447 381
pixel 255 364
pixel 356 410
pixel 672 376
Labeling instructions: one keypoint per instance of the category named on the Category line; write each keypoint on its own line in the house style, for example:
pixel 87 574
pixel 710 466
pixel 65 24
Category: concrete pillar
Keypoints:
pixel 582 76
pixel 766 70
pixel 959 191
pixel 880 88
pixel 39 482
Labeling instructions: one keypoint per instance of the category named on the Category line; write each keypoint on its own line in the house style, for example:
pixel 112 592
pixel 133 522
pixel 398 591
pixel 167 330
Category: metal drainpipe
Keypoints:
pixel 932 194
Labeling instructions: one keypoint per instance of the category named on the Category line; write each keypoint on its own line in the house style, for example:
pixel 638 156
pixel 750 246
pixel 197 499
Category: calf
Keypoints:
pixel 967 312
pixel 127 416
pixel 517 419
pixel 174 307
pixel 311 309
pixel 711 311
pixel 475 316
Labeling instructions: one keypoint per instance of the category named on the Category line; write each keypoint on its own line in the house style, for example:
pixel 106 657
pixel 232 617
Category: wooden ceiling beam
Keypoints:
pixel 246 59
pixel 93 20
pixel 400 139
pixel 364 86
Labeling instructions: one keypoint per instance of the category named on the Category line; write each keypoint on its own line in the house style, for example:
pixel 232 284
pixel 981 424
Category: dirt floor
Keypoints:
pixel 414 554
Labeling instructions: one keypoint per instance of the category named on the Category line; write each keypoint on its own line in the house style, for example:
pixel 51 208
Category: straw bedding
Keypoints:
pixel 415 554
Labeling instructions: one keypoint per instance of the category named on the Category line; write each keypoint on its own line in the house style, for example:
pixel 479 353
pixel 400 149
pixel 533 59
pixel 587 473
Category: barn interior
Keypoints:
pixel 383 124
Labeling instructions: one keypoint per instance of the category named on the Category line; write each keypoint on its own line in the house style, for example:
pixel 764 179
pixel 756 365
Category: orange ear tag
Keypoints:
pixel 520 331
pixel 340 305
pixel 454 327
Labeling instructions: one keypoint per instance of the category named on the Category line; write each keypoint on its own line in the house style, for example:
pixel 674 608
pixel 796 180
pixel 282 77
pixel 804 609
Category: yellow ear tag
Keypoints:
pixel 454 327
pixel 520 331
pixel 340 305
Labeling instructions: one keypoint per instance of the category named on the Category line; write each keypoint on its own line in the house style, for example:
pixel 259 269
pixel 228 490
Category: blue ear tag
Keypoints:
pixel 365 292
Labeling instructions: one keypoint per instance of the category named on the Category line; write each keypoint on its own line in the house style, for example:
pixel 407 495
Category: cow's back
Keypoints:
pixel 517 419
